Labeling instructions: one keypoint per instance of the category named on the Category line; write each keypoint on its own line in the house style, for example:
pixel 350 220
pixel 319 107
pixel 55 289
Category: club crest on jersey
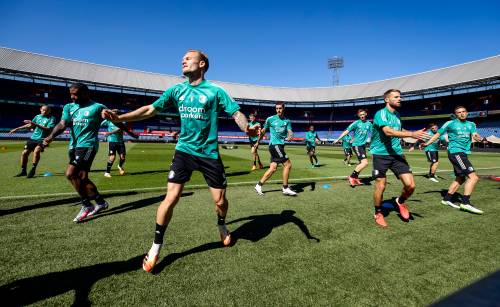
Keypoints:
pixel 182 98
pixel 203 99
pixel 86 113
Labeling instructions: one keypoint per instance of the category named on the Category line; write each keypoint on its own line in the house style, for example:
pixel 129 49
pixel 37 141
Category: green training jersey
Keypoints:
pixel 434 146
pixel 278 128
pixel 253 124
pixel 84 122
pixel 115 137
pixel 382 144
pixel 459 135
pixel 346 141
pixel 361 129
pixel 311 138
pixel 45 121
pixel 198 107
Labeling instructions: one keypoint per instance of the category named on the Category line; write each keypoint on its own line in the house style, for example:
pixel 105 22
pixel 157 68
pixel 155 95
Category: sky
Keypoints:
pixel 275 43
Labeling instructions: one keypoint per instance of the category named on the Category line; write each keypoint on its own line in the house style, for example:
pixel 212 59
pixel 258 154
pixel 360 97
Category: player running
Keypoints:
pixel 83 117
pixel 361 128
pixel 387 154
pixel 198 102
pixel 281 130
pixel 115 145
pixel 311 139
pixel 347 147
pixel 43 124
pixel 461 132
pixel 253 136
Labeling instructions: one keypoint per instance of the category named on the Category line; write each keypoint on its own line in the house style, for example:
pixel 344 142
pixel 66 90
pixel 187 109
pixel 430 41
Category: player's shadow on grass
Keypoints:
pixel 134 205
pixel 58 202
pixel 30 290
pixel 389 206
pixel 457 197
pixel 299 187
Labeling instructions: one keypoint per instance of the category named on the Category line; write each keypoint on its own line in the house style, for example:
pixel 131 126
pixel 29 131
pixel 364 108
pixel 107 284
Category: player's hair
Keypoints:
pixel 44 105
pixel 251 114
pixel 82 88
pixel 431 125
pixel 386 94
pixel 459 107
pixel 280 103
pixel 203 57
pixel 362 110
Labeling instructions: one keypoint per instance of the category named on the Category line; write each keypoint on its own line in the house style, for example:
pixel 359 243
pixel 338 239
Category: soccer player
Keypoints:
pixel 198 102
pixel 43 124
pixel 280 129
pixel 116 145
pixel 347 146
pixel 253 137
pixel 387 154
pixel 361 127
pixel 461 132
pixel 83 117
pixel 432 153
pixel 311 139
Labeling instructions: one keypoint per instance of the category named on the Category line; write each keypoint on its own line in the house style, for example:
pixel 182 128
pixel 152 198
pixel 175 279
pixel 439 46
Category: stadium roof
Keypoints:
pixel 12 60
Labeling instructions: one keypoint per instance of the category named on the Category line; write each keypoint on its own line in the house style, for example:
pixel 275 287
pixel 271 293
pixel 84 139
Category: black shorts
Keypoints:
pixel 348 151
pixel 252 143
pixel 461 164
pixel 117 148
pixel 432 156
pixel 278 154
pixel 397 164
pixel 82 157
pixel 360 152
pixel 310 148
pixel 184 164
pixel 32 144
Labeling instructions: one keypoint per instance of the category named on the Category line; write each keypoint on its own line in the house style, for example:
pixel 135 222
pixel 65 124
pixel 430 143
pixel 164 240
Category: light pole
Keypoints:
pixel 335 63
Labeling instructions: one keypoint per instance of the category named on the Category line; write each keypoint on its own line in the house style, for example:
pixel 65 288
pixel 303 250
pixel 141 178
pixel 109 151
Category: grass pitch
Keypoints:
pixel 319 248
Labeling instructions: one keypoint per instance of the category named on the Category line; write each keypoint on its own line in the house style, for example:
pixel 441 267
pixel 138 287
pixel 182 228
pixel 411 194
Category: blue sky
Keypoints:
pixel 278 43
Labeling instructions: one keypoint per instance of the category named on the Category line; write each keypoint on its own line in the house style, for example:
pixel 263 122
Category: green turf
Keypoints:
pixel 48 260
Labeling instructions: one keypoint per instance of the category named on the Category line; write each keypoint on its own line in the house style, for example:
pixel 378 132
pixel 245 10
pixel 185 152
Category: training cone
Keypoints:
pixel 47 174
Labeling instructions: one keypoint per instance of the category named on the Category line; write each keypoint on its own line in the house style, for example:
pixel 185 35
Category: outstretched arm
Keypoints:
pixel 31 123
pixel 241 121
pixel 341 136
pixel 419 134
pixel 20 128
pixel 136 115
pixel 58 129
pixel 434 138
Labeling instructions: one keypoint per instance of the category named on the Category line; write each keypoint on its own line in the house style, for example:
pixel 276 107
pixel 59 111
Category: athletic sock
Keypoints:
pixel 221 220
pixel 120 164
pixel 35 164
pixel 285 186
pixel 354 174
pixel 466 199
pixel 86 202
pixel 401 199
pixel 378 209
pixel 448 197
pixel 154 250
pixel 108 166
pixel 99 199
pixel 254 162
pixel 23 169
pixel 159 233
pixel 315 159
pixel 260 183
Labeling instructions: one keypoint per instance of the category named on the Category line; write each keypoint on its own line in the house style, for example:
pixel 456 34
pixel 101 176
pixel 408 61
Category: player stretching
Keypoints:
pixel 388 154
pixel 280 129
pixel 361 127
pixel 83 117
pixel 116 145
pixel 460 134
pixel 43 124
pixel 347 147
pixel 253 136
pixel 198 102
pixel 311 139
pixel 432 153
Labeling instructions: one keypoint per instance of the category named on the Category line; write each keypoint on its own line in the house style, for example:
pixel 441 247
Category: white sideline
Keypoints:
pixel 194 186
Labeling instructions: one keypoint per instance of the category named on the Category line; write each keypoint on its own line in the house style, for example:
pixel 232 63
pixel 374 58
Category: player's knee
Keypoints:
pixel 473 177
pixel 411 187
pixel 380 185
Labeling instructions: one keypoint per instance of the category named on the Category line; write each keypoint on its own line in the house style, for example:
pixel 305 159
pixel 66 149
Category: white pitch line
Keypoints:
pixel 196 186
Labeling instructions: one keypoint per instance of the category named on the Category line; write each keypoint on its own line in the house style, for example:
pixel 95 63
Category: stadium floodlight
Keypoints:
pixel 336 63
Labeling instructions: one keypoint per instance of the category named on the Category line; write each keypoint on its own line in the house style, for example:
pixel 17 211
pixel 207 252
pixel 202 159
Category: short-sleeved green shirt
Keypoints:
pixel 198 107
pixel 253 124
pixel 115 137
pixel 45 121
pixel 459 135
pixel 278 128
pixel 311 138
pixel 346 141
pixel 84 122
pixel 382 144
pixel 361 130
pixel 434 146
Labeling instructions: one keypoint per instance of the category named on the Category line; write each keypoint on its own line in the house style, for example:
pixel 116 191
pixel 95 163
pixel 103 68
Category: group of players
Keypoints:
pixel 198 102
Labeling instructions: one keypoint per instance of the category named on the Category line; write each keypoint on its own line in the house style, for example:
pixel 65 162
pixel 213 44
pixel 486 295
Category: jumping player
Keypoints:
pixel 347 147
pixel 280 129
pixel 116 145
pixel 254 126
pixel 387 154
pixel 83 117
pixel 198 102
pixel 311 139
pixel 361 128
pixel 461 132
pixel 43 124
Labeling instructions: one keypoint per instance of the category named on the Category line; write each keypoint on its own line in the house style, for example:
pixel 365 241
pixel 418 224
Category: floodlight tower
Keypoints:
pixel 335 63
